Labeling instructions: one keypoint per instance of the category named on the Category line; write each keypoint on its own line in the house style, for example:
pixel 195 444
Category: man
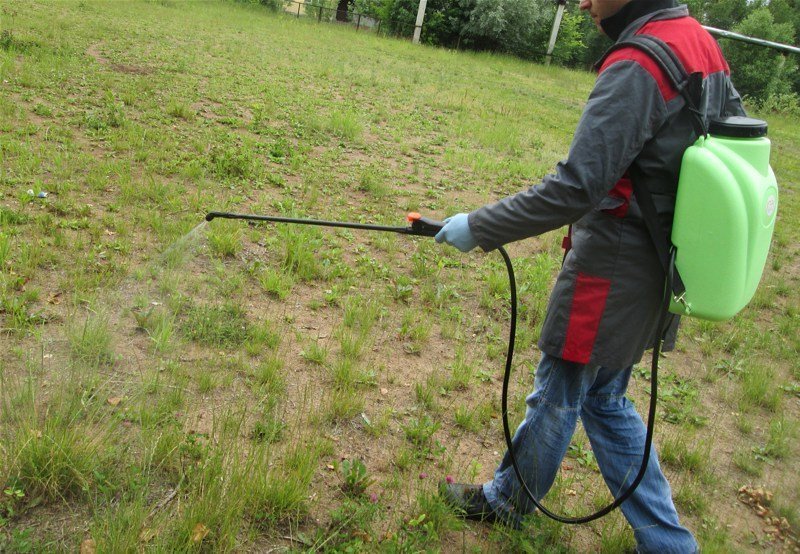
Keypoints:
pixel 604 308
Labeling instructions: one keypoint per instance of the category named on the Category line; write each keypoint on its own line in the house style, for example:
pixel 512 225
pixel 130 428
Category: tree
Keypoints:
pixel 519 27
pixel 758 71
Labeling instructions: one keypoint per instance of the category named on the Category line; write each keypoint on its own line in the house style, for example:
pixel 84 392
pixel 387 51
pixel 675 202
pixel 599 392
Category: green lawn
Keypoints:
pixel 168 384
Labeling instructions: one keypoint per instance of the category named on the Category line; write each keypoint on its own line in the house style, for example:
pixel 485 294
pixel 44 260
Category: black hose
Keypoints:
pixel 664 312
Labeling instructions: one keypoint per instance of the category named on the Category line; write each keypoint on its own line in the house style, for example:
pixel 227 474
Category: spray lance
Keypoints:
pixel 425 227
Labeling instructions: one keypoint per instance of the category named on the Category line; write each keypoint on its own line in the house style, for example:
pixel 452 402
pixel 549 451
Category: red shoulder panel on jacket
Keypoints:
pixel 697 50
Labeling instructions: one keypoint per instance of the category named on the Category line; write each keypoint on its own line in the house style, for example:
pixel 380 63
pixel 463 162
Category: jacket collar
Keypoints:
pixel 634 11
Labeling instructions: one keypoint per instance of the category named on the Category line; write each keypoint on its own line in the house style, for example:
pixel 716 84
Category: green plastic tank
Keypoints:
pixel 725 213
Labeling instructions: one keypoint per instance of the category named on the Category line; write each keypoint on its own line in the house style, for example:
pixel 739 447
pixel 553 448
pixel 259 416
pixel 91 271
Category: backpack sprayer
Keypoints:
pixel 425 227
pixel 725 215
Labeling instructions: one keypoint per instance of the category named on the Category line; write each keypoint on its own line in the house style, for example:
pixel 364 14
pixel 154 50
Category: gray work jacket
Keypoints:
pixel 603 309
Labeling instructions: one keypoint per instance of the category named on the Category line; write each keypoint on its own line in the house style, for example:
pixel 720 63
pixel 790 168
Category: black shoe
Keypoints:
pixel 469 500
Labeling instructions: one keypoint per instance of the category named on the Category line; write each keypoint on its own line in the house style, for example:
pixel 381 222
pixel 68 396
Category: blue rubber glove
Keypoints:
pixel 456 233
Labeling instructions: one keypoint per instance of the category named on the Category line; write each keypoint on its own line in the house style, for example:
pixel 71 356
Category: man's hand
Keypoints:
pixel 456 233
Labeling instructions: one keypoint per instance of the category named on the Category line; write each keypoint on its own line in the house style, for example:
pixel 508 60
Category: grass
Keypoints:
pixel 169 384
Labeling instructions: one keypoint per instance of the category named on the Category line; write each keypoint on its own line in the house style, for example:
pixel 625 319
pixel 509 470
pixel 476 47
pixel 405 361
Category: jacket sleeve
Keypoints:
pixel 624 110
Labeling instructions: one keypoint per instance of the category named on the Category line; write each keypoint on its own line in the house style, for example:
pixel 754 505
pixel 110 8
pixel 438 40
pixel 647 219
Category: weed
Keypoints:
pixel 582 453
pixel 216 325
pixel 355 478
pixel 268 430
pixel 420 430
pixel 377 426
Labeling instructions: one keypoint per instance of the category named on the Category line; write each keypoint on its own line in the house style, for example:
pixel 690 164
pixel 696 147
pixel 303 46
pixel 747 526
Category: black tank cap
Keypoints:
pixel 738 127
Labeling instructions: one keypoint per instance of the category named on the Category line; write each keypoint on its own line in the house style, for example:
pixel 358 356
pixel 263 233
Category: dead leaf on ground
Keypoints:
pixel 199 532
pixel 147 535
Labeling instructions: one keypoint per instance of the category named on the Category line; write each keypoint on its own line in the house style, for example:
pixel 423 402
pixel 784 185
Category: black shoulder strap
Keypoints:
pixel 690 87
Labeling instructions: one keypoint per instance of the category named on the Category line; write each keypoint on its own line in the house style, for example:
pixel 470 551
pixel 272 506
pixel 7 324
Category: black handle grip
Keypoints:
pixel 425 226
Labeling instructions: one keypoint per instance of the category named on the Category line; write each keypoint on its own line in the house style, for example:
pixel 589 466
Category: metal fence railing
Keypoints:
pixel 317 10
pixel 321 12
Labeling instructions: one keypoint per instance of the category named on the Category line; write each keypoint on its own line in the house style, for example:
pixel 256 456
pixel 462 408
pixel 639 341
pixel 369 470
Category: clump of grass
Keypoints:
pixel 221 326
pixel 747 463
pixel 779 441
pixel 261 335
pixel 360 313
pixel 268 429
pixel 91 341
pixel 159 325
pixel 342 405
pixel 344 374
pixel 225 241
pixel 277 283
pixel 464 417
pixel 426 394
pixel 691 498
pixel 301 249
pixel 461 371
pixel 58 462
pixel 231 162
pixel 371 183
pixel 676 452
pixel 180 110
pixel 206 381
pixel 351 344
pixel 616 537
pixel 58 456
pixel 345 125
pixel 758 389
pixel 269 374
pixel 316 353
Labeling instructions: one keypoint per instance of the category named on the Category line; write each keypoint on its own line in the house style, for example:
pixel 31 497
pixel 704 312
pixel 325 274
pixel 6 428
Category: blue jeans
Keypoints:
pixel 562 391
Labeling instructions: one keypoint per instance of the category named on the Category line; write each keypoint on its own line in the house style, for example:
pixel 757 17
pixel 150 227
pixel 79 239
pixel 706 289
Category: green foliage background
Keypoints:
pixel 522 28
